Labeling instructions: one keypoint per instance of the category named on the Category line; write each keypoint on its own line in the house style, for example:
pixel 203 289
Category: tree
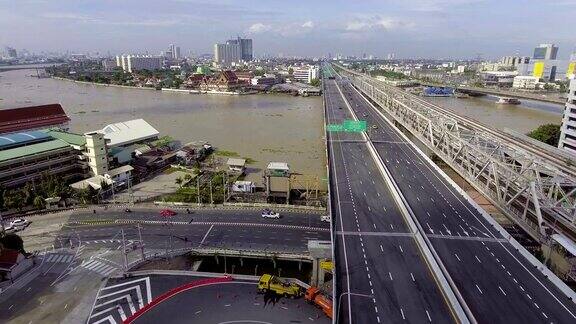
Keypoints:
pixel 39 202
pixel 315 82
pixel 13 242
pixel 290 71
pixel 179 181
pixel 548 133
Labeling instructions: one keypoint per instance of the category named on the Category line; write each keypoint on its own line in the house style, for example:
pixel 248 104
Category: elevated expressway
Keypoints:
pixel 532 184
pixel 484 275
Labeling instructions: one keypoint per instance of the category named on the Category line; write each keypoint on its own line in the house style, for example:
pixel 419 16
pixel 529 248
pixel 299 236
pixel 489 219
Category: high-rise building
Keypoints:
pixel 227 53
pixel 568 129
pixel 177 53
pixel 131 63
pixel 545 52
pixel 11 52
pixel 245 47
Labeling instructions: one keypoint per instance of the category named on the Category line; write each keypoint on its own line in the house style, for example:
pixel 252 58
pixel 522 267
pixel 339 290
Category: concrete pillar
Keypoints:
pixel 315 269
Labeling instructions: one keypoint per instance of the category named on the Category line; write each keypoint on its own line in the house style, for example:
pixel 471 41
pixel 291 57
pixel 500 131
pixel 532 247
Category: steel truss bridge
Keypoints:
pixel 533 185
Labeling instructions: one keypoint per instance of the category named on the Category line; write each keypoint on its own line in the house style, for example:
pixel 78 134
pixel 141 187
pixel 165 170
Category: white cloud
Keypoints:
pixel 364 24
pixel 122 22
pixel 308 24
pixel 259 28
pixel 289 29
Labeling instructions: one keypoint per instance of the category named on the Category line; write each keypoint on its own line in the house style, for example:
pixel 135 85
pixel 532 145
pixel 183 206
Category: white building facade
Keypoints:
pixel 525 82
pixel 568 130
pixel 131 63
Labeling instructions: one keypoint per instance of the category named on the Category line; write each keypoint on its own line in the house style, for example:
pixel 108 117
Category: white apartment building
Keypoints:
pixel 568 135
pixel 525 82
pixel 306 74
pixel 130 63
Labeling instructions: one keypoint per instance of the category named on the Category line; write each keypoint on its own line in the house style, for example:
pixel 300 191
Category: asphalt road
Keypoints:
pixel 231 302
pixel 227 229
pixel 497 282
pixel 381 276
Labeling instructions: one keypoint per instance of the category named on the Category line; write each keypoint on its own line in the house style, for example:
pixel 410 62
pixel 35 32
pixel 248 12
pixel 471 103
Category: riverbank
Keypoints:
pixel 266 128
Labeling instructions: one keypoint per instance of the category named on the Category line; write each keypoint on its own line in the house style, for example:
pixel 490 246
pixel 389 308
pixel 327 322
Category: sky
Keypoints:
pixel 407 28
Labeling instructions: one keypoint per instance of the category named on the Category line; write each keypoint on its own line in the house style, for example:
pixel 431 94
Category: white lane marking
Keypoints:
pixel 456 255
pixel 390 275
pixel 502 290
pixel 480 290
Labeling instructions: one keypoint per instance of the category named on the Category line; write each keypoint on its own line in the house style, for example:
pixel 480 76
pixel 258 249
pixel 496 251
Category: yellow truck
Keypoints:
pixel 279 286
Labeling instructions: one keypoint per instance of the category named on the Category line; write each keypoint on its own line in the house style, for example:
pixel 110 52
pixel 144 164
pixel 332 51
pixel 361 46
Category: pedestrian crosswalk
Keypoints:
pixel 58 258
pixel 98 266
pixel 119 300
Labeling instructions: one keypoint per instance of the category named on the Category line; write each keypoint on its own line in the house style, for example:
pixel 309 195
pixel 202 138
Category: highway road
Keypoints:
pixel 498 284
pixel 381 276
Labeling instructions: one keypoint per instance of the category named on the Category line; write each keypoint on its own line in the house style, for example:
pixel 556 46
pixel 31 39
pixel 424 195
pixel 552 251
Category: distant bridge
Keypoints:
pixel 551 98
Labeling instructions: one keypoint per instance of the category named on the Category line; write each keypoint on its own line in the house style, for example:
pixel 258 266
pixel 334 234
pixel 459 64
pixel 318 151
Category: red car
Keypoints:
pixel 167 212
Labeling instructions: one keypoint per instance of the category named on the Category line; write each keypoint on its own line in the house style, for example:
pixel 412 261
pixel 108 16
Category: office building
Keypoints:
pixel 545 65
pixel 131 63
pixel 11 52
pixel 568 130
pixel 177 53
pixel 545 52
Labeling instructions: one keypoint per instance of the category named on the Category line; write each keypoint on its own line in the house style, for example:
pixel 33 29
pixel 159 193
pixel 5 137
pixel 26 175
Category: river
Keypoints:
pixel 262 127
pixel 522 118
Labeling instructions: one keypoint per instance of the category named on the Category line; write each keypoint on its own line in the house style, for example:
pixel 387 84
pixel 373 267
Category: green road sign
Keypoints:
pixel 335 127
pixel 354 125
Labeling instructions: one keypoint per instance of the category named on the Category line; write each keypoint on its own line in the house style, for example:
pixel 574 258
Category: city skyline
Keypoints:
pixel 411 28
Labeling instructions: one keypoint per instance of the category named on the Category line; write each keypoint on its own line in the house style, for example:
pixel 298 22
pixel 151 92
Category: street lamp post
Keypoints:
pixel 349 294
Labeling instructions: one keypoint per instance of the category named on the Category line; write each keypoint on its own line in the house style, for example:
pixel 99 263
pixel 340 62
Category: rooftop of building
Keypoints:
pixel 129 132
pixel 32 149
pixel 70 138
pixel 32 117
pixel 23 138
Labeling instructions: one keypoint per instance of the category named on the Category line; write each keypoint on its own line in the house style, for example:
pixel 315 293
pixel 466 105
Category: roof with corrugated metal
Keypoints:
pixel 18 119
pixel 70 138
pixel 19 139
pixel 22 151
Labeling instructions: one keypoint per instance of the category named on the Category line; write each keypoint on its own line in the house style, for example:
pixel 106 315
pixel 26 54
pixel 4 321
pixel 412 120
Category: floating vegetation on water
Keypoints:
pixel 281 150
pixel 227 153
pixel 81 112
pixel 95 111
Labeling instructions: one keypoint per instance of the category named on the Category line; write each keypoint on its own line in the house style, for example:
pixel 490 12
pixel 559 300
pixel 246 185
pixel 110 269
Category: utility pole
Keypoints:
pixel 198 188
pixel 224 187
pixel 124 252
pixel 141 241
pixel 211 199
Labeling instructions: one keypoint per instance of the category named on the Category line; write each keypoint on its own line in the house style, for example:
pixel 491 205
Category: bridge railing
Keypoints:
pixel 535 190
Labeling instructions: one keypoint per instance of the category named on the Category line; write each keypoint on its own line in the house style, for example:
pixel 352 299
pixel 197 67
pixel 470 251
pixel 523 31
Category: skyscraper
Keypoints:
pixel 545 52
pixel 245 47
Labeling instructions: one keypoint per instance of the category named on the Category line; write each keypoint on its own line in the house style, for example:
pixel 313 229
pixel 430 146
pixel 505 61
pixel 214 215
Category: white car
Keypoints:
pixel 20 223
pixel 9 229
pixel 325 218
pixel 270 214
